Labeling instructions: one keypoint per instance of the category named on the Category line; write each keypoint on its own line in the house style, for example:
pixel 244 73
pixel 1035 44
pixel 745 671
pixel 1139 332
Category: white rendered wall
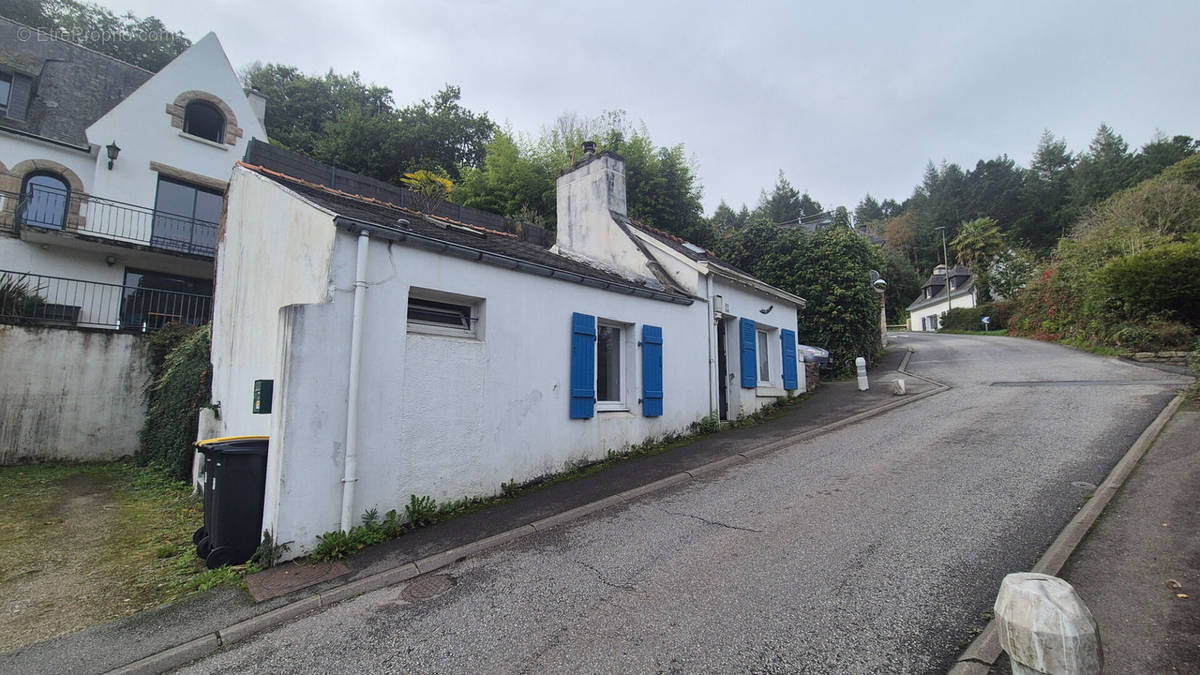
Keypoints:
pixel 451 417
pixel 739 302
pixel 916 317
pixel 70 394
pixel 15 149
pixel 275 252
pixel 142 128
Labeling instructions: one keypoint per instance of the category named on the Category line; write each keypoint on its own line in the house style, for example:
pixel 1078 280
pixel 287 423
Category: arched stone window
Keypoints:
pixel 203 119
pixel 45 196
pixel 204 115
pixel 44 192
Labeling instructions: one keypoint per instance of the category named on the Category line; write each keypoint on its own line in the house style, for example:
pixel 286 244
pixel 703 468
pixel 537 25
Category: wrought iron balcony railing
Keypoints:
pixel 86 215
pixel 42 299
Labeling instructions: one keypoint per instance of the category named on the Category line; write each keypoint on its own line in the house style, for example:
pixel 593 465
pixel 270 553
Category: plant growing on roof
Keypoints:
pixel 429 188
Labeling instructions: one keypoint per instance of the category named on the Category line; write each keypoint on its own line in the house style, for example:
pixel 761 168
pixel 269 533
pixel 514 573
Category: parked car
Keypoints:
pixel 818 356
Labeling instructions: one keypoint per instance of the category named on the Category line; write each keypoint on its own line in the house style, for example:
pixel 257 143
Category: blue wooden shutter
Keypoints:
pixel 652 371
pixel 790 380
pixel 749 355
pixel 583 366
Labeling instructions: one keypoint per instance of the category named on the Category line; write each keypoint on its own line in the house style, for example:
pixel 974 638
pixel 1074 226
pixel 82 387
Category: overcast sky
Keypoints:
pixel 845 97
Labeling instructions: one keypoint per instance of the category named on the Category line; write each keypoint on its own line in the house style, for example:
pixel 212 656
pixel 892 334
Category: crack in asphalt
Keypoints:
pixel 601 579
pixel 711 522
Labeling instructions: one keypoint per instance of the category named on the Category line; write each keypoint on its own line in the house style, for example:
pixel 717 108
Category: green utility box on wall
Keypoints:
pixel 263 390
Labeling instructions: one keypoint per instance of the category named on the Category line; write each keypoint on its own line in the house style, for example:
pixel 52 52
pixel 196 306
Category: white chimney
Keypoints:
pixel 591 194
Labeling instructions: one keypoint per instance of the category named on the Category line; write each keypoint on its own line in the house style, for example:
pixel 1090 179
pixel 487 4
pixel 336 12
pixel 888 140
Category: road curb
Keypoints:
pixel 208 644
pixel 985 649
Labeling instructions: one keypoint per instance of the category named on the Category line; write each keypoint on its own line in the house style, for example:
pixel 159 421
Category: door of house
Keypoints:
pixel 722 380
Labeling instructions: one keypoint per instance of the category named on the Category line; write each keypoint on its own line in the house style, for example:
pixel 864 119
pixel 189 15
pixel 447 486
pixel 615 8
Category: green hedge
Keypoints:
pixel 964 318
pixel 1163 281
pixel 180 386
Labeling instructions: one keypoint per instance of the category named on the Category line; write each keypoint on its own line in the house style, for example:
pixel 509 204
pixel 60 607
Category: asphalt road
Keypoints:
pixel 874 548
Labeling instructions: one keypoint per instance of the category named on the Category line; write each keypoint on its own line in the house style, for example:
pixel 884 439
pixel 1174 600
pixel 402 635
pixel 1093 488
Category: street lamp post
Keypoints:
pixel 946 262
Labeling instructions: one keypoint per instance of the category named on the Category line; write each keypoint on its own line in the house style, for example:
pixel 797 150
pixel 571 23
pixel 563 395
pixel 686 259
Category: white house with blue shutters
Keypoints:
pixel 415 355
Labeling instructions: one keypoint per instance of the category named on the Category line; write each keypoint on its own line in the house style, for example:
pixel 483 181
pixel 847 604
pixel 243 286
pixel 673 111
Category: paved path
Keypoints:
pixel 873 548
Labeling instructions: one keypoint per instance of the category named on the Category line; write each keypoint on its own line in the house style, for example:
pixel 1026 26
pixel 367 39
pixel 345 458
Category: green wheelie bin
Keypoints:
pixel 235 478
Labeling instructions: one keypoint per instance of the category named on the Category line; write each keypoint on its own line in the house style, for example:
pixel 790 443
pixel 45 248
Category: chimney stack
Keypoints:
pixel 589 149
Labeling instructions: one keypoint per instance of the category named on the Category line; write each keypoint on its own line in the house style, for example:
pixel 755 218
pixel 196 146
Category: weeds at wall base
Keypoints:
pixel 425 511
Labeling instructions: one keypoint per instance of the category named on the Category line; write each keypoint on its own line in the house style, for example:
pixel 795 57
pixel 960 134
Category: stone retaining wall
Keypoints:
pixel 1175 358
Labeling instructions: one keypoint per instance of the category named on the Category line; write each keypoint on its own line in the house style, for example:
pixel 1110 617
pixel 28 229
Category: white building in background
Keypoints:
pixel 926 312
pixel 112 179
pixel 112 183
pixel 411 355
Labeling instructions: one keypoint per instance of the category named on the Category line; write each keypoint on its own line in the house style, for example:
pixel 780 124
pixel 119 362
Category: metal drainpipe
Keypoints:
pixel 712 355
pixel 349 475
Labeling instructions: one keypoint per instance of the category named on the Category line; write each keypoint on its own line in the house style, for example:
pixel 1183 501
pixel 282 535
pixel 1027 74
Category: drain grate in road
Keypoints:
pixel 428 587
pixel 1082 383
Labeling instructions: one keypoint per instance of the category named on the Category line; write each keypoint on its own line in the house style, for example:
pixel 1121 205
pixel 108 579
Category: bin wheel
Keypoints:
pixel 199 534
pixel 203 547
pixel 221 555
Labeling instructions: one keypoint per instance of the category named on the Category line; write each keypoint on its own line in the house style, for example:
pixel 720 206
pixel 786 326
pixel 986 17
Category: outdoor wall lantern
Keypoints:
pixel 113 151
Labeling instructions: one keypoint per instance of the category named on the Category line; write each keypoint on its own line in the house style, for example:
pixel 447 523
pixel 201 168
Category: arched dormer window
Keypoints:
pixel 204 120
pixel 44 199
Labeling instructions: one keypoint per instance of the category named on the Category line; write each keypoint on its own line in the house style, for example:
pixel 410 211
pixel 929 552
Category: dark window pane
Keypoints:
pixel 608 363
pixel 439 313
pixel 186 217
pixel 154 299
pixel 175 198
pixel 45 201
pixel 208 207
pixel 203 119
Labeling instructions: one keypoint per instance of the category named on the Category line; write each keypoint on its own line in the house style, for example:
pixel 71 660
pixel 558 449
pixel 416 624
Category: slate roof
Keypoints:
pixel 679 244
pixel 964 289
pixel 385 215
pixel 696 253
pixel 73 85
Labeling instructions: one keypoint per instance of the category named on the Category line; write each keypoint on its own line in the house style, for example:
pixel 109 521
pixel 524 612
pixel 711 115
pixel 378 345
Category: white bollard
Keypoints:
pixel 1045 627
pixel 861 364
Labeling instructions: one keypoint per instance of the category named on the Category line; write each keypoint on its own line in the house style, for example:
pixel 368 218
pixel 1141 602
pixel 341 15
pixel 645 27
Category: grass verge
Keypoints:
pixel 84 543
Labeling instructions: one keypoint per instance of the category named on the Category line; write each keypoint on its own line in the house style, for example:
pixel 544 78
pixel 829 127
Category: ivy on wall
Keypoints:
pixel 180 386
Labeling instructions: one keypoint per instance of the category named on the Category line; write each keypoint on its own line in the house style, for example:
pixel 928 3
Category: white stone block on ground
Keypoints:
pixel 1045 627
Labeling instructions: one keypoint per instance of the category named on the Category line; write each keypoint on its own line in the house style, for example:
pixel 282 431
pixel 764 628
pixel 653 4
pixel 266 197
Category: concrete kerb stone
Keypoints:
pixel 172 658
pixel 576 513
pixel 985 649
pixel 195 649
pixel 660 484
pixel 257 624
pixel 374 582
pixel 716 465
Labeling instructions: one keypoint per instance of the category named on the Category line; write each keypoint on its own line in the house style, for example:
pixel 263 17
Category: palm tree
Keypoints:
pixel 978 239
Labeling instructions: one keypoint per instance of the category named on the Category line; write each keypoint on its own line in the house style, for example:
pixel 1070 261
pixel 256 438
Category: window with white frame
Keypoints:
pixel 764 360
pixel 610 366
pixel 438 313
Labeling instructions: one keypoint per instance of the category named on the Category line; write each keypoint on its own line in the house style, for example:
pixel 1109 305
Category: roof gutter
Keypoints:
pixel 45 139
pixel 757 285
pixel 499 260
